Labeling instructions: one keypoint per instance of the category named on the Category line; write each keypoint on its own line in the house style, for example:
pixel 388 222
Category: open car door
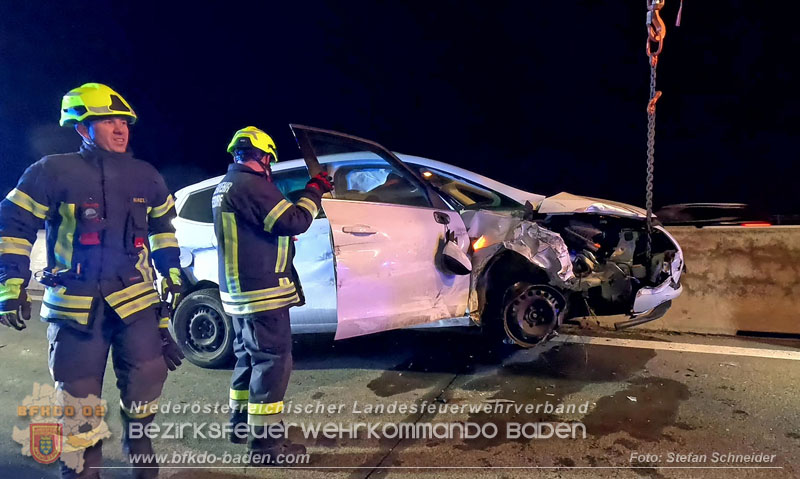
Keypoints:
pixel 388 232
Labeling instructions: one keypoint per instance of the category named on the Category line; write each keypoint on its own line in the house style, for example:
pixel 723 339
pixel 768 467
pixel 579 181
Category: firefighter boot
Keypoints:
pixel 267 450
pixel 238 425
pixel 138 447
pixel 92 458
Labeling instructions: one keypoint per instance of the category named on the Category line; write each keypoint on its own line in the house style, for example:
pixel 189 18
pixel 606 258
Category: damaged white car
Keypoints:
pixel 405 241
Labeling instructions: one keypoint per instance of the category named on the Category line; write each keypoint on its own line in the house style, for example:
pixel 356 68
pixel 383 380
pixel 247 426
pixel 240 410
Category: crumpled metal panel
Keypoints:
pixel 539 245
pixel 649 297
pixel 567 203
pixel 543 248
pixel 492 225
pixel 508 231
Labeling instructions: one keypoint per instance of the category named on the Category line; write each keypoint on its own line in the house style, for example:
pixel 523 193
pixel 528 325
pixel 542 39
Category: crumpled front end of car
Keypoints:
pixel 598 263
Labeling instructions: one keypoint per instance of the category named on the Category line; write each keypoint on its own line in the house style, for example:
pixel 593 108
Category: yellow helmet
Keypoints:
pixel 93 99
pixel 252 137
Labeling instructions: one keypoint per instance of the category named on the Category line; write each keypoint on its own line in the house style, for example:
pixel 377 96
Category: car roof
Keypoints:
pixel 514 193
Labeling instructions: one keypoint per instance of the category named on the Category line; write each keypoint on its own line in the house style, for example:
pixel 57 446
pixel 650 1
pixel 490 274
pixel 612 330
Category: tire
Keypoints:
pixel 531 312
pixel 203 330
pixel 500 280
pixel 492 328
pixel 503 281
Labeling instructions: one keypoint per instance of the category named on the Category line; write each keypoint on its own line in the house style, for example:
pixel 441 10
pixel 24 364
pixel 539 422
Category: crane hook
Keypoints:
pixel 656 29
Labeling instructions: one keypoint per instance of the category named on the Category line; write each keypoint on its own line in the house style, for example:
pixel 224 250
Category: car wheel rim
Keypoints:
pixel 532 313
pixel 205 330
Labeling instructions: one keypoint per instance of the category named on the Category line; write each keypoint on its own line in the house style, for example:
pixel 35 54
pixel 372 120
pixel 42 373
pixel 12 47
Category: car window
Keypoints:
pixel 376 181
pixel 371 174
pixel 292 183
pixel 467 194
pixel 198 206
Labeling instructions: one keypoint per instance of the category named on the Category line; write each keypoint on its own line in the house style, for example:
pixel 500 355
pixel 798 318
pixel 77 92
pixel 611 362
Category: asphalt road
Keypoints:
pixel 645 406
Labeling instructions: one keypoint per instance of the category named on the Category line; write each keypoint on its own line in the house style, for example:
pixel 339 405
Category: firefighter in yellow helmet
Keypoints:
pixel 107 218
pixel 255 226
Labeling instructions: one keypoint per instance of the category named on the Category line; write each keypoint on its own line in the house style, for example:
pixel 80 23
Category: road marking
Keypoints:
pixel 295 467
pixel 682 347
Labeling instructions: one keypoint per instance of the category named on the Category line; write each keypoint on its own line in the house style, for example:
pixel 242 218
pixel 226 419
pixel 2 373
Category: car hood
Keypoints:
pixel 567 203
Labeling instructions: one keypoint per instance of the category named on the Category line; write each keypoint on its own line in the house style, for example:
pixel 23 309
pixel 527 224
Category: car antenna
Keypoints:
pixel 656 31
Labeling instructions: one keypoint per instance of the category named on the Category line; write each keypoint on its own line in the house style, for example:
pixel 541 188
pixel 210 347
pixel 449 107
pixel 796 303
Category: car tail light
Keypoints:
pixel 756 224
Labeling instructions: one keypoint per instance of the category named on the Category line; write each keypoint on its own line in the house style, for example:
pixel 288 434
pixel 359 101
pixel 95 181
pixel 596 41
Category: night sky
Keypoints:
pixel 544 96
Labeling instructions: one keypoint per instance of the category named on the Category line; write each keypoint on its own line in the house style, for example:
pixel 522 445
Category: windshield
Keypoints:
pixel 465 194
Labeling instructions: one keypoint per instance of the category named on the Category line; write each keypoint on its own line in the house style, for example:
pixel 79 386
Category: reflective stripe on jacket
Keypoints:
pixel 254 225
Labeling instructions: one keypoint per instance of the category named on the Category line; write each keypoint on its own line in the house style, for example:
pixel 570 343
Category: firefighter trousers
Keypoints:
pixel 263 348
pixel 78 362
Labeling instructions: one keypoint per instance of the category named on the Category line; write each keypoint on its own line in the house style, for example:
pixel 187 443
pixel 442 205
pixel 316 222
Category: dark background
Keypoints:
pixel 544 96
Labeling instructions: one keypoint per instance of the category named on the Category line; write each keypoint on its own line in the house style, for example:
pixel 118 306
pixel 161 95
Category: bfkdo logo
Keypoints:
pixel 45 442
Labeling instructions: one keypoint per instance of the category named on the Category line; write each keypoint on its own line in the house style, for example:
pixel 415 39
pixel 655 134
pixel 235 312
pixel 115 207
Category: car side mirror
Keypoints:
pixel 454 260
pixel 441 218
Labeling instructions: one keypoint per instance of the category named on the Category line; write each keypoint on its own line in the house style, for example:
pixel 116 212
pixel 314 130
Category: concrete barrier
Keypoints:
pixel 737 279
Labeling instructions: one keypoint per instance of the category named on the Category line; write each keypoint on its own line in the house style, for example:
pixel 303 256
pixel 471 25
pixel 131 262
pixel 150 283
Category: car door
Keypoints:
pixel 386 237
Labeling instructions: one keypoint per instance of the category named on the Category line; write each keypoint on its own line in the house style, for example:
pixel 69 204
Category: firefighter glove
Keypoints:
pixel 169 348
pixel 320 182
pixel 172 288
pixel 14 304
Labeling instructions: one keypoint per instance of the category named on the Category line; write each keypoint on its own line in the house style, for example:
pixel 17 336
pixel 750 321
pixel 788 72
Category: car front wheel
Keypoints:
pixel 203 330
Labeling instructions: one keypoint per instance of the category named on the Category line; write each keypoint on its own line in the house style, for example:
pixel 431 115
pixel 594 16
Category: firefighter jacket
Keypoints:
pixel 254 225
pixel 106 216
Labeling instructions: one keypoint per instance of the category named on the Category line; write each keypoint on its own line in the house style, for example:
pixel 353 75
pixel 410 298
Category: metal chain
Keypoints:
pixel 651 142
pixel 656 31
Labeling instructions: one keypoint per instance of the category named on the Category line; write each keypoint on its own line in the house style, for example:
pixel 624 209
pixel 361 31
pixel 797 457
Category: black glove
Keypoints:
pixel 321 183
pixel 14 304
pixel 169 348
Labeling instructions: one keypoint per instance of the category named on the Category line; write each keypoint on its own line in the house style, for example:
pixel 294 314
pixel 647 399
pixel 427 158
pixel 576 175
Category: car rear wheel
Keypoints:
pixel 203 330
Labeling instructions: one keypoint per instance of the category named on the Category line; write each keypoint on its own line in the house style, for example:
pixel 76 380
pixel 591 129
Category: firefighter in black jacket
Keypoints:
pixel 106 215
pixel 254 225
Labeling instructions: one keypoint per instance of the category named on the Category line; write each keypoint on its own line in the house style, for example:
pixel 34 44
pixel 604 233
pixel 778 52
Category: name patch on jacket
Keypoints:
pixel 219 192
pixel 139 200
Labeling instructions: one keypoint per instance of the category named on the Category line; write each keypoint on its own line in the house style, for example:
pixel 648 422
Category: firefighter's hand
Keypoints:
pixel 169 348
pixel 172 288
pixel 321 183
pixel 14 304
